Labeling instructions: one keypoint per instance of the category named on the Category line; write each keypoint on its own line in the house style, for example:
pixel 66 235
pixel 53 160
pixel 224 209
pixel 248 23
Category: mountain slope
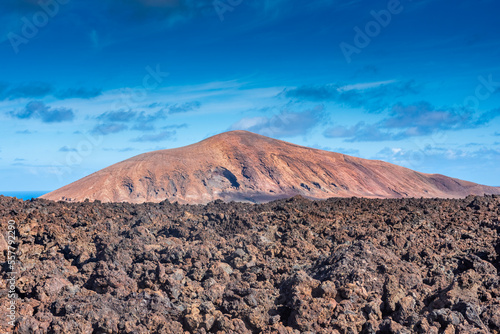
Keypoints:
pixel 244 166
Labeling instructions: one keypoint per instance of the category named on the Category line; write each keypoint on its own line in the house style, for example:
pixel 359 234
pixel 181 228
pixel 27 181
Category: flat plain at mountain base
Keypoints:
pixel 290 266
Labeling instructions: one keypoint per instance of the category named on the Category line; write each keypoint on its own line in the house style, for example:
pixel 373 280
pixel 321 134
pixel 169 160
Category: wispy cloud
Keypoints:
pixel 145 121
pixel 366 85
pixel 175 126
pixel 183 108
pixel 488 116
pixel 374 96
pixel 118 116
pixel 79 93
pixel 164 135
pixel 405 121
pixel 108 128
pixel 26 90
pixel 37 90
pixel 361 132
pixel 67 149
pixel 126 149
pixel 284 124
pixel 422 118
pixel 437 155
pixel 149 118
pixel 38 110
pixel 25 132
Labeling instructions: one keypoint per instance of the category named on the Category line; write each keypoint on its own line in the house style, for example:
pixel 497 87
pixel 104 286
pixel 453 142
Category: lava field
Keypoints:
pixel 348 265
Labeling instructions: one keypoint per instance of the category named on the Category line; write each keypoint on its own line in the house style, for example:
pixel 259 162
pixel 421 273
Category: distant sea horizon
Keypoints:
pixel 24 195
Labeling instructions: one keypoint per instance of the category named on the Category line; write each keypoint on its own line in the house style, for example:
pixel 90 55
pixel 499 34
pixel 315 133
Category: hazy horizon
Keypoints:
pixel 24 194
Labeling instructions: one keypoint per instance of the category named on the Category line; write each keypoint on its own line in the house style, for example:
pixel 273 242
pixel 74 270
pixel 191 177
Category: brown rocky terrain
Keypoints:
pixel 289 266
pixel 243 166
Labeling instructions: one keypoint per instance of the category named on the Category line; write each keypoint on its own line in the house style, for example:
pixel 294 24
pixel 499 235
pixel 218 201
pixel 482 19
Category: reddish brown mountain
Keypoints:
pixel 244 166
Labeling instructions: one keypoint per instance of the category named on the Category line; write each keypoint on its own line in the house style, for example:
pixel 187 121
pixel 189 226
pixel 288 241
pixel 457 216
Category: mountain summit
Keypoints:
pixel 243 166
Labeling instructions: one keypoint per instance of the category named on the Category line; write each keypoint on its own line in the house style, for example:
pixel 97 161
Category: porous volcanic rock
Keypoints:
pixel 290 266
pixel 243 166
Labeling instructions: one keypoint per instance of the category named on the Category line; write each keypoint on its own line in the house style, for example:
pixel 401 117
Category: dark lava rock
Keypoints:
pixel 291 266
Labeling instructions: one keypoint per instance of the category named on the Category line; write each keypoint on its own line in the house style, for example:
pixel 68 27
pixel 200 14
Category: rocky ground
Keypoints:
pixel 290 266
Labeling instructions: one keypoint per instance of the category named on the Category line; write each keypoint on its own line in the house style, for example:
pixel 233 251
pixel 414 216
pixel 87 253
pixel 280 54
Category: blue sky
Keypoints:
pixel 84 85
